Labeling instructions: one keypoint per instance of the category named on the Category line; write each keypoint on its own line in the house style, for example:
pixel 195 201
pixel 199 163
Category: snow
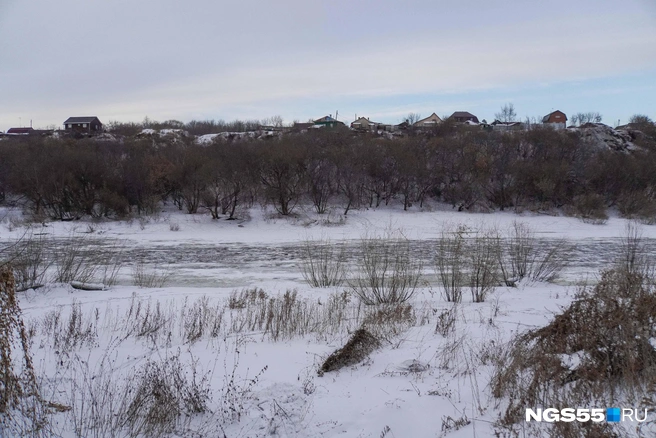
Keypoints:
pixel 410 385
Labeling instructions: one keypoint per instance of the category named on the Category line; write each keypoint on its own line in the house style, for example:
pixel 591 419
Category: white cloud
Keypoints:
pixel 230 57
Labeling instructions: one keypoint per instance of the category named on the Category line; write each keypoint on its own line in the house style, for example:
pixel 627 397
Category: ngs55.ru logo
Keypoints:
pixel 583 415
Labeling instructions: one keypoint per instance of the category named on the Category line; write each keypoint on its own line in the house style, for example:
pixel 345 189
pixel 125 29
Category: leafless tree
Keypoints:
pixel 579 119
pixel 507 113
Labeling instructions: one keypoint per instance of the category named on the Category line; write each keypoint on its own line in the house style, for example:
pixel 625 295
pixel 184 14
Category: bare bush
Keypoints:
pixel 483 254
pixel 323 263
pixel 30 261
pixel 143 277
pixel 591 208
pixel 522 256
pixel 236 391
pixel 638 205
pixel 386 272
pixel 633 257
pixel 75 262
pixel 519 253
pixel 450 261
pixel 112 262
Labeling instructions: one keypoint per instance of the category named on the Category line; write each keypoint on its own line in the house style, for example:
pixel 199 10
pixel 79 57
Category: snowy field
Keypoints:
pixel 257 375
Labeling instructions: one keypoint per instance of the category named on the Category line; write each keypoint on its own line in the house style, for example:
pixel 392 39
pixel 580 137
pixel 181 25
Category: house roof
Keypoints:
pixel 464 114
pixel 432 118
pixel 19 130
pixel 545 119
pixel 361 120
pixel 87 119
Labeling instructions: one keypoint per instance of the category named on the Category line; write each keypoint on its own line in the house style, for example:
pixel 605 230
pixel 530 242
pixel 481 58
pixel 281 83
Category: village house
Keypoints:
pixel 498 125
pixel 88 125
pixel 429 122
pixel 364 124
pixel 463 117
pixel 20 131
pixel 328 122
pixel 556 119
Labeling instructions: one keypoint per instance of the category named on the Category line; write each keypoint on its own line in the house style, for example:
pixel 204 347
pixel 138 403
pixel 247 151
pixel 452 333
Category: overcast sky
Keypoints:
pixel 213 59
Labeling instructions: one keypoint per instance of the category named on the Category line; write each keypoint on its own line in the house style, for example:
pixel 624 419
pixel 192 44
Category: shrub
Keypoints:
pixel 638 205
pixel 386 272
pixel 590 207
pixel 323 263
pixel 78 259
pixel 484 265
pixel 29 261
pixel 449 262
pixel 523 256
pixel 145 278
pixel 595 351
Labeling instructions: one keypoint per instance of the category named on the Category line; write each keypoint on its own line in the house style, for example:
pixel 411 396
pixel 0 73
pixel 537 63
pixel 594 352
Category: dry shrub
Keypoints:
pixel 29 261
pixel 590 208
pixel 149 278
pixel 638 205
pixel 77 259
pixel 522 256
pixel 163 392
pixel 483 253
pixel 22 410
pixel 597 351
pixel 386 273
pixel 446 321
pixel 360 345
pixel 323 263
pixel 450 261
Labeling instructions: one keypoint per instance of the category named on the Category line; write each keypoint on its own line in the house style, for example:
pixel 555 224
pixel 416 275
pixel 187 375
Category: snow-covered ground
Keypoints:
pixel 418 384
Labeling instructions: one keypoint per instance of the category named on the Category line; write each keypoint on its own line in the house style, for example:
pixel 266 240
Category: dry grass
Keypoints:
pixel 22 410
pixel 360 345
pixel 597 351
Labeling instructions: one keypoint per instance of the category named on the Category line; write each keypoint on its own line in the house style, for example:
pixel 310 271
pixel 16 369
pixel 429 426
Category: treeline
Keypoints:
pixel 540 169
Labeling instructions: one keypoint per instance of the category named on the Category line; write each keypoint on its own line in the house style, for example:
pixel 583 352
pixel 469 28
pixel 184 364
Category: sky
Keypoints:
pixel 126 60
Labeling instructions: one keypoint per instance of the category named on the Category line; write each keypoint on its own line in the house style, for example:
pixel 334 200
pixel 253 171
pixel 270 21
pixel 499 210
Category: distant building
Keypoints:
pixel 556 119
pixel 328 122
pixel 429 122
pixel 498 125
pixel 20 131
pixel 88 125
pixel 463 117
pixel 365 124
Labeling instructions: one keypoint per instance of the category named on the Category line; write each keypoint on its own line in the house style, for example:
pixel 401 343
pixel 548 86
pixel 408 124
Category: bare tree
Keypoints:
pixel 579 119
pixel 507 113
pixel 413 118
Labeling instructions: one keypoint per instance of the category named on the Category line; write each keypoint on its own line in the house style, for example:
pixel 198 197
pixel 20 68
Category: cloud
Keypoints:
pixel 125 60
